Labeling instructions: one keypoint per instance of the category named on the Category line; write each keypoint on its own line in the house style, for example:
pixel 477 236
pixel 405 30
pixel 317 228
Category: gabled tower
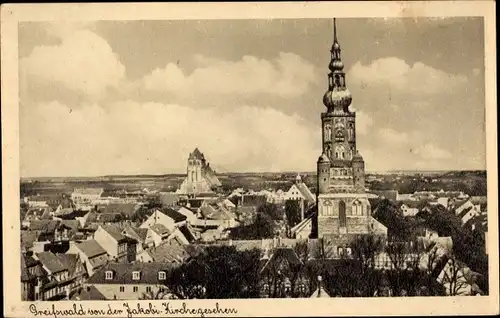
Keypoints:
pixel 343 206
pixel 200 177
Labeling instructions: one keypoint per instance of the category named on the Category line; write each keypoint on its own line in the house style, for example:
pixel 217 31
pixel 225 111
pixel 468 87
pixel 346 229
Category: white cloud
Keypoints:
pixel 431 151
pixel 395 75
pixel 83 62
pixel 393 137
pixel 288 75
pixel 363 123
pixel 127 137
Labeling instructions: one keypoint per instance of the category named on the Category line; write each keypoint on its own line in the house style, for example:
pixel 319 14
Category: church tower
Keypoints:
pixel 201 178
pixel 343 205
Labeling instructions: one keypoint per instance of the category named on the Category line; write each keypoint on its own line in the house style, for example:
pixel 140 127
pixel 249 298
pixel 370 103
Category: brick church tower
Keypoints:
pixel 343 206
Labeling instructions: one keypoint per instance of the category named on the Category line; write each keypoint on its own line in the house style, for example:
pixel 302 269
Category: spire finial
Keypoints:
pixel 334 30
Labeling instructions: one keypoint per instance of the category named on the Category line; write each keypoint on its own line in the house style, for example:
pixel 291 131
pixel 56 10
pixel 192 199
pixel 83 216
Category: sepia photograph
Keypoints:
pixel 252 158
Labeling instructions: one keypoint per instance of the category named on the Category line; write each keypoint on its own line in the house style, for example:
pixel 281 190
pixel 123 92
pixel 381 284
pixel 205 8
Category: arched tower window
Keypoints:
pixel 339 152
pixel 357 207
pixel 342 215
pixel 327 208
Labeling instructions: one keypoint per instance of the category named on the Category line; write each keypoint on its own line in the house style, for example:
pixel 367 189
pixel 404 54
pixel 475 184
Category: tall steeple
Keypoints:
pixel 337 98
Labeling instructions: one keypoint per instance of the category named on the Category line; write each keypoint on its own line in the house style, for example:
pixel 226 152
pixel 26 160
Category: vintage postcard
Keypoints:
pixel 249 159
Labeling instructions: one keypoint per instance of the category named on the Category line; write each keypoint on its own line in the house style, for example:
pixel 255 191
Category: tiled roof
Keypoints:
pixel 195 203
pixel 142 233
pixel 114 231
pixel 169 253
pixel 168 198
pixel 24 271
pixel 464 212
pixel 186 231
pixel 30 261
pixel 28 237
pixel 160 229
pixel 174 215
pixel 301 225
pixel 459 203
pixel 139 233
pixel 70 261
pixel 35 213
pixel 306 193
pixel 73 224
pixel 286 253
pixel 411 204
pixel 91 248
pixel 126 208
pixel 187 212
pixel 89 293
pixel 46 226
pixel 216 212
pixel 122 273
pixel 51 262
pixel 94 217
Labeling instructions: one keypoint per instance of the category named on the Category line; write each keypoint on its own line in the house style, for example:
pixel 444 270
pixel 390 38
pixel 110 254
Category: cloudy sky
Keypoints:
pixel 136 97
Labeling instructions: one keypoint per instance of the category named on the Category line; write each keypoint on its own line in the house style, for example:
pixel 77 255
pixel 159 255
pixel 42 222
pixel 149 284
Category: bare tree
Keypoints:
pixel 160 293
pixel 398 254
pixel 364 250
pixel 453 278
pixel 303 252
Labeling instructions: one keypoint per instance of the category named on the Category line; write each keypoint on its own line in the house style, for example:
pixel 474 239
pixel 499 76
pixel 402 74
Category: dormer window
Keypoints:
pixel 136 275
pixel 109 275
pixel 162 275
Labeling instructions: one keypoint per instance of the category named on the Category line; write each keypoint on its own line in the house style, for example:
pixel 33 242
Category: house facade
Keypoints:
pixel 129 281
pixel 86 195
pixel 112 241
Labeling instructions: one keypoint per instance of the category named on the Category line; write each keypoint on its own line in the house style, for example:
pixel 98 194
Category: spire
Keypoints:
pixel 335 30
pixel 338 96
pixel 336 61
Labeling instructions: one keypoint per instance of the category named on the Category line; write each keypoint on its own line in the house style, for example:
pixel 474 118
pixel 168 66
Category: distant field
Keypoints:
pixel 257 181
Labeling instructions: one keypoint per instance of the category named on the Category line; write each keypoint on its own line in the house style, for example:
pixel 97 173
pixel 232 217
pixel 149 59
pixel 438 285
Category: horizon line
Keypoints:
pixel 252 172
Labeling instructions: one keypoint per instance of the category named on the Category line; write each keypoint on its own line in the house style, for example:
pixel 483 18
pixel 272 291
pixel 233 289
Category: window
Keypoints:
pixel 109 275
pixel 122 289
pixel 136 275
pixel 162 275
pixel 148 289
pixel 136 289
pixel 342 214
